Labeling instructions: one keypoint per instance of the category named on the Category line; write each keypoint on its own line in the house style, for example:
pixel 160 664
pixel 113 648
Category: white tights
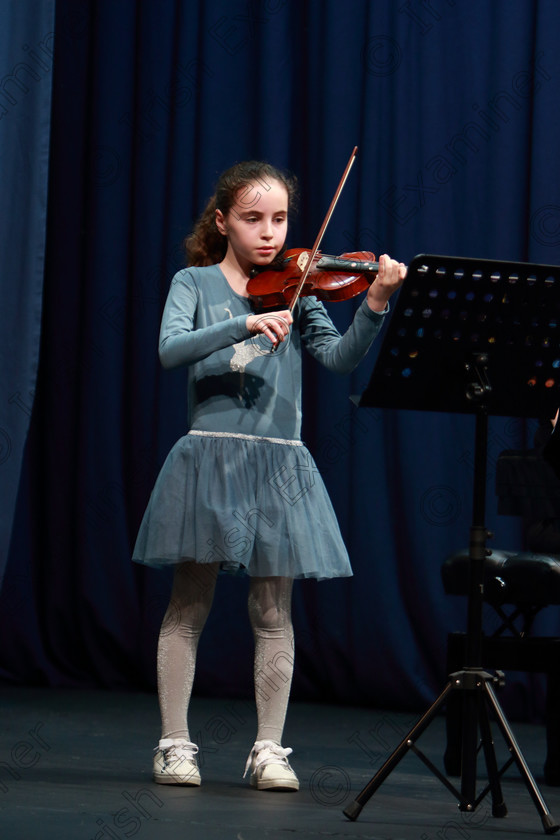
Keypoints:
pixel 269 607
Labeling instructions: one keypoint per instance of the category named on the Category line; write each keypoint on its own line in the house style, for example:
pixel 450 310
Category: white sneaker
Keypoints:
pixel 270 770
pixel 175 763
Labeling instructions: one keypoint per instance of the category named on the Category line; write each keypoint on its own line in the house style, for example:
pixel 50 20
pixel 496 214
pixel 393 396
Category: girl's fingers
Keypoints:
pixel 274 326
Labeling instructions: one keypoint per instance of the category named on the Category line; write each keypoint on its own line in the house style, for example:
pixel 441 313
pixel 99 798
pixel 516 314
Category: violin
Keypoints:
pixel 307 272
pixel 327 278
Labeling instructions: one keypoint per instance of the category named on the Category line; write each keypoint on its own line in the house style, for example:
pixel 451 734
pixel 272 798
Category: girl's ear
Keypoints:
pixel 220 223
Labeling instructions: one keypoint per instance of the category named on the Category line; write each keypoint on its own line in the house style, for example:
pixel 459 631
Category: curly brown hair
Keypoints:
pixel 206 245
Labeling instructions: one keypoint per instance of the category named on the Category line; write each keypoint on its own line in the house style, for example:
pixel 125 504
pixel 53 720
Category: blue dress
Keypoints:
pixel 240 488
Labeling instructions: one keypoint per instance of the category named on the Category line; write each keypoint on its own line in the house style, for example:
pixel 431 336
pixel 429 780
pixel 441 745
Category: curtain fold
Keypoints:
pixel 26 50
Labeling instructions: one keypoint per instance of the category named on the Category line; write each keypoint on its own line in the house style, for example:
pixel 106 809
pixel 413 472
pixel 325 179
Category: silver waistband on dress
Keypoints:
pixel 238 436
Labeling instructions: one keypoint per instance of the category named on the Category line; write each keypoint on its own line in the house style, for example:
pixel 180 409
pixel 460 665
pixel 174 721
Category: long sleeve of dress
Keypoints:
pixel 338 353
pixel 182 341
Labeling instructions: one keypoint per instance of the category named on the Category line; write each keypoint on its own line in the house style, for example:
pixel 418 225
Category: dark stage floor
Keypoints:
pixel 77 765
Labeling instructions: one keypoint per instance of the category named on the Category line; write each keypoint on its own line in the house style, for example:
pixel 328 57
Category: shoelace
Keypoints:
pixel 182 751
pixel 266 752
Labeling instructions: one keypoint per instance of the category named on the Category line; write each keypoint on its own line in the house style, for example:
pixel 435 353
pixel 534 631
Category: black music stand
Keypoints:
pixel 478 337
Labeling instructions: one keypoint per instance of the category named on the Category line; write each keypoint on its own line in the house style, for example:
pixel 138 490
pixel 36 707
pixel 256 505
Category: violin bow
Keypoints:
pixel 322 229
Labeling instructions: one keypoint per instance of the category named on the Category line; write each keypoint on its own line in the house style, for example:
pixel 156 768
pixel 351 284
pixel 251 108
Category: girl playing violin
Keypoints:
pixel 240 492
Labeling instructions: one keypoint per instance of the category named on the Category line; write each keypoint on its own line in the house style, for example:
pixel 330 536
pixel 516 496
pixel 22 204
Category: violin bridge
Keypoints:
pixel 302 260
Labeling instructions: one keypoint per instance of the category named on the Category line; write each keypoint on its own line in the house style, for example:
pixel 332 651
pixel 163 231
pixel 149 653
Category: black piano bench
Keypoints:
pixel 517 585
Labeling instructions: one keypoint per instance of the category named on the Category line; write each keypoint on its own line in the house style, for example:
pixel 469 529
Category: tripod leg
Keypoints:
pixel 469 744
pixel 499 808
pixel 352 810
pixel 550 826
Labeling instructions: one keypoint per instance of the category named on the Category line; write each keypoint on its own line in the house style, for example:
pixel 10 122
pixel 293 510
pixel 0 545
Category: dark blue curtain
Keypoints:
pixel 453 106
pixel 26 50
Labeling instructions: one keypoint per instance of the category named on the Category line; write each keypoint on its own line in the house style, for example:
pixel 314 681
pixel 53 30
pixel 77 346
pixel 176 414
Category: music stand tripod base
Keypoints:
pixel 476 681
pixel 473 337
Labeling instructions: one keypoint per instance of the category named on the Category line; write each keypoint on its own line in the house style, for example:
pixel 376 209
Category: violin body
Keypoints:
pixel 329 278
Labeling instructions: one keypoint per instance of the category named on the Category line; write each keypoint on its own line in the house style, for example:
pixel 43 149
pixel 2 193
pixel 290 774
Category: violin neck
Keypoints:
pixel 327 263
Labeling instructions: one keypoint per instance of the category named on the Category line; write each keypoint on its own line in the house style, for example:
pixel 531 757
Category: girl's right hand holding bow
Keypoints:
pixel 274 325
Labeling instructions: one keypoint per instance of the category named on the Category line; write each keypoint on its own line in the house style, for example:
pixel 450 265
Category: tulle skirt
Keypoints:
pixel 254 505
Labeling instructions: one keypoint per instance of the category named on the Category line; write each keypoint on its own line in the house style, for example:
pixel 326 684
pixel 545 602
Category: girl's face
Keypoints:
pixel 257 223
